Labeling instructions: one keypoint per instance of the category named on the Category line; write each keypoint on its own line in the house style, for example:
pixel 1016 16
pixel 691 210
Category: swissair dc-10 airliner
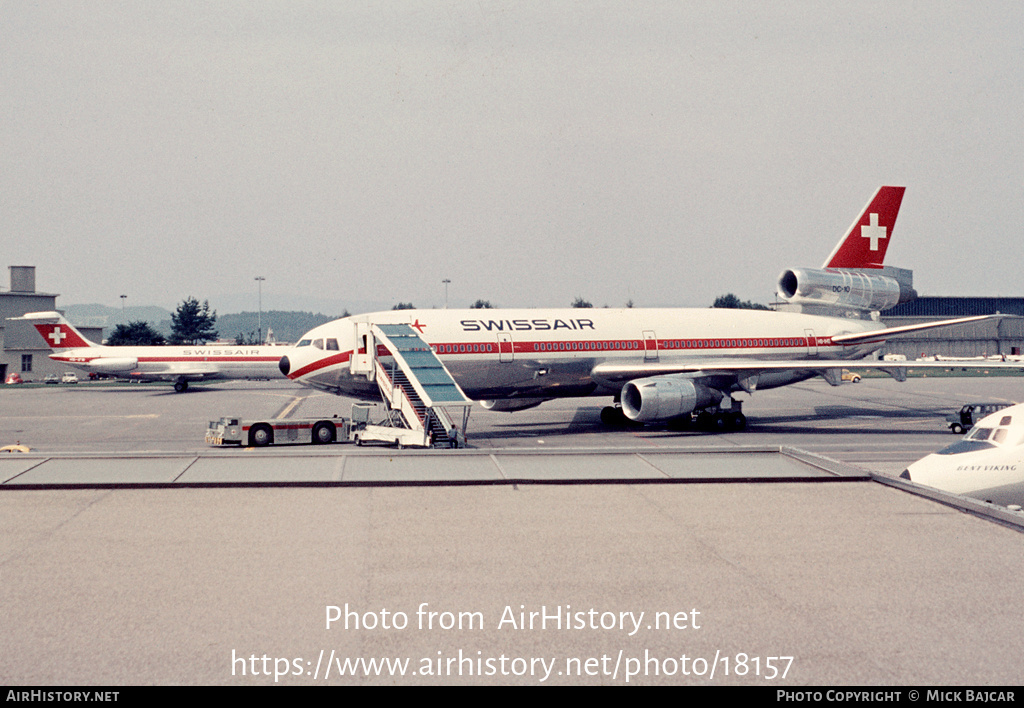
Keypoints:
pixel 656 364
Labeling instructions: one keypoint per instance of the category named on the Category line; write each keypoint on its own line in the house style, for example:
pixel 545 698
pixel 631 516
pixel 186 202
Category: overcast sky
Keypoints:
pixel 530 152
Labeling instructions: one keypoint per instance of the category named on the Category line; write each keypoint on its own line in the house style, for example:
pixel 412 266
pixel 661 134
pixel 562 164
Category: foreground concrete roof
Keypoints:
pixel 858 582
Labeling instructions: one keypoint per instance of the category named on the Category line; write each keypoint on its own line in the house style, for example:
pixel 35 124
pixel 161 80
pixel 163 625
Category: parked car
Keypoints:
pixel 13 379
pixel 51 379
pixel 971 413
pixel 69 377
pixel 851 376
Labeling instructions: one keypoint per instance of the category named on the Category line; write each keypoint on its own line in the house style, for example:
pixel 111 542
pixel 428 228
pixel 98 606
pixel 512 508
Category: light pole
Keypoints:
pixel 123 298
pixel 446 281
pixel 259 317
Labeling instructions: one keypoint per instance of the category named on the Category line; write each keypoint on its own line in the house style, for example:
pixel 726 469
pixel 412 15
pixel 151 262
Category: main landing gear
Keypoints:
pixel 712 420
pixel 721 421
pixel 181 385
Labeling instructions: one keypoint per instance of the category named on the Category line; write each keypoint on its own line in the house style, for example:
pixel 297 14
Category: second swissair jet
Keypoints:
pixel 657 364
pixel 154 363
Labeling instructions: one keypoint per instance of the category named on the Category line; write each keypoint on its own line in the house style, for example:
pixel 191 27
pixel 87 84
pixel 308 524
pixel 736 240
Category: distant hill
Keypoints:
pixel 109 317
pixel 287 326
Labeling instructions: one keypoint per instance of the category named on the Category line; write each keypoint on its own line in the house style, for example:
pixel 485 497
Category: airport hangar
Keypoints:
pixel 1003 336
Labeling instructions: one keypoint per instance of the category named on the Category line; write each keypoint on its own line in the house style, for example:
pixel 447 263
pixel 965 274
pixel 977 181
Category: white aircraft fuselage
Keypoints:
pixel 168 362
pixel 180 364
pixel 533 353
pixel 986 464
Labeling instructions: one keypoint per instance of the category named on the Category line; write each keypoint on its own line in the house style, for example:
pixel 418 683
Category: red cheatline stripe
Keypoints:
pixel 595 346
pixel 633 345
pixel 207 358
pixel 321 364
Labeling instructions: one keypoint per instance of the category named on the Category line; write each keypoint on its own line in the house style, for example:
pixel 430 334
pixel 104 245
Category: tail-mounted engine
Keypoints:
pixel 828 291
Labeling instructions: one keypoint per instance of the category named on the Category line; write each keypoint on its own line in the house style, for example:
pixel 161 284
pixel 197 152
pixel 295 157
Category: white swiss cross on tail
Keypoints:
pixel 868 238
pixel 56 336
pixel 873 232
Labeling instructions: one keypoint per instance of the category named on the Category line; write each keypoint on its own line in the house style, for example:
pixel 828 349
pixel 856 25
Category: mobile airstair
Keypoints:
pixel 416 387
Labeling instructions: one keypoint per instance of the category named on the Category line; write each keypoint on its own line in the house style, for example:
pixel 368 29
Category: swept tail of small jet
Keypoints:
pixel 57 331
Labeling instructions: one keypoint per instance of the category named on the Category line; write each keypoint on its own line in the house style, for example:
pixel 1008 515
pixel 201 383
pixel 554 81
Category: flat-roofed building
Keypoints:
pixel 22 350
pixel 991 338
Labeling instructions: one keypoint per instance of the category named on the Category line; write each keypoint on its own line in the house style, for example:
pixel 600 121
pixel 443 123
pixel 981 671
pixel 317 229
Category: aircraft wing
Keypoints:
pixel 880 335
pixel 746 371
pixel 195 371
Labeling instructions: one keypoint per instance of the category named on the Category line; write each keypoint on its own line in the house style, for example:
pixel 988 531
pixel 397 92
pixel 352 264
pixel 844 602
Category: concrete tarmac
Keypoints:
pixel 770 584
pixel 878 424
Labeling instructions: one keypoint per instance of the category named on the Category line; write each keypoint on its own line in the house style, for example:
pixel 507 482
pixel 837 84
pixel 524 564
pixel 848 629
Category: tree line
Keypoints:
pixel 193 323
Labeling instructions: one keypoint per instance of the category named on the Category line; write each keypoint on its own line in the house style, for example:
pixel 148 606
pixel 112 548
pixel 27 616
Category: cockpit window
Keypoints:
pixel 318 343
pixel 332 345
pixel 1005 420
pixel 980 434
pixel 304 343
pixel 999 436
pixel 963 446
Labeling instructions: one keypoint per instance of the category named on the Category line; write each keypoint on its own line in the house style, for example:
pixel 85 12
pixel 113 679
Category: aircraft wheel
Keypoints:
pixel 261 435
pixel 610 415
pixel 181 386
pixel 718 423
pixel 359 441
pixel 738 421
pixel 323 433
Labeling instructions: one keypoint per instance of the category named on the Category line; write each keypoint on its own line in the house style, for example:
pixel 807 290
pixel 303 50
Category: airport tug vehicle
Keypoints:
pixel 358 429
pixel 231 430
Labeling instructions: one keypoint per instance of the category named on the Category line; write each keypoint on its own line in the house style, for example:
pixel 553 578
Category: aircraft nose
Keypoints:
pixel 284 365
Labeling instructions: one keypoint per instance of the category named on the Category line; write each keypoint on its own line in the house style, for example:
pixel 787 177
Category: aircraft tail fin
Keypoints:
pixel 867 239
pixel 57 331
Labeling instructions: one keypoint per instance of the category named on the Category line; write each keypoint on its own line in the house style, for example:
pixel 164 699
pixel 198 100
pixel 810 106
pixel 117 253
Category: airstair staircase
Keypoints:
pixel 415 384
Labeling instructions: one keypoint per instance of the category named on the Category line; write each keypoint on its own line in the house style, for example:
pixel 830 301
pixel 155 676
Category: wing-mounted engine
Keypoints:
pixel 666 397
pixel 845 292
